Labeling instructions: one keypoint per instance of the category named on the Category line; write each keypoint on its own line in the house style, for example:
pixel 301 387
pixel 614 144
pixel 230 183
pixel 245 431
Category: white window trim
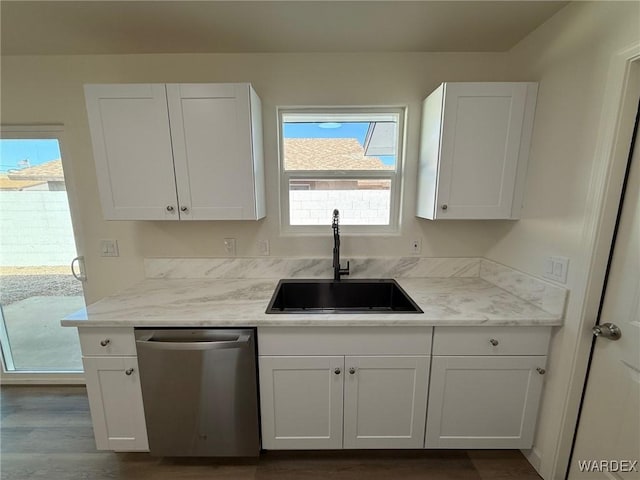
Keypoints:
pixel 396 177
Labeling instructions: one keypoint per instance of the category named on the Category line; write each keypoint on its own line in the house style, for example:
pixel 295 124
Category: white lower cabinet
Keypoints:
pixel 343 387
pixel 334 402
pixel 385 401
pixel 113 387
pixel 301 402
pixel 485 400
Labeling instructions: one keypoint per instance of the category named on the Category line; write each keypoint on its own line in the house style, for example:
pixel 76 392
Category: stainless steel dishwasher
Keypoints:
pixel 199 389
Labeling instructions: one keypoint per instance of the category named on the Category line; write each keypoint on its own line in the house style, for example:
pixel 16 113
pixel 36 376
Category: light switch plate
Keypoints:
pixel 109 248
pixel 556 269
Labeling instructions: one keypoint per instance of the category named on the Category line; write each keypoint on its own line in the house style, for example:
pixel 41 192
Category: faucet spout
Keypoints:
pixel 338 271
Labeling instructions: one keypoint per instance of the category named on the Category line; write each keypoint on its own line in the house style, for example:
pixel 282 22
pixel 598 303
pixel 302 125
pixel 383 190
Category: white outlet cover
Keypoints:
pixel 416 246
pixel 263 247
pixel 230 246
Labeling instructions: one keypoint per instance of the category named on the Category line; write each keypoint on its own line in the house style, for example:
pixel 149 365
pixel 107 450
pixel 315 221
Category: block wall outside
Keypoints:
pixel 357 207
pixel 35 229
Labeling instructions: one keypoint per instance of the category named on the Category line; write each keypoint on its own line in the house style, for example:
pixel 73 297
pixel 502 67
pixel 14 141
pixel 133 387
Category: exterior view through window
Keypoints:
pixel 36 248
pixel 344 160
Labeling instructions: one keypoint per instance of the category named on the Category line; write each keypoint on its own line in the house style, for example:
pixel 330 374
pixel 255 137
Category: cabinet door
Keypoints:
pixel 385 402
pixel 115 399
pixel 132 149
pixel 483 402
pixel 301 399
pixel 480 146
pixel 212 147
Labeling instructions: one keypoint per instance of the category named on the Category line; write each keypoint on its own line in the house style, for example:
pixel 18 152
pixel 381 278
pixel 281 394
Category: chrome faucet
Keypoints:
pixel 337 270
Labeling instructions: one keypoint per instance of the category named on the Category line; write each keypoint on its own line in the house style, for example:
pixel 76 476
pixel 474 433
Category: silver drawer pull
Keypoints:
pixel 337 371
pixel 494 342
pixel 541 371
pixel 105 342
pixel 352 370
pixel 128 371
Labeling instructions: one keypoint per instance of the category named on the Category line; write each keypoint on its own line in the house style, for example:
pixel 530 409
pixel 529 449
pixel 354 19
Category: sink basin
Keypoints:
pixel 344 296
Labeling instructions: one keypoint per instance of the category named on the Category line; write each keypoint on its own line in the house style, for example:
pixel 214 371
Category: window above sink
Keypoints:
pixel 340 158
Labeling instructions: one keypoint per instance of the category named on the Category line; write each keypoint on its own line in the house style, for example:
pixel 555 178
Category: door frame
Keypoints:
pixel 53 131
pixel 619 108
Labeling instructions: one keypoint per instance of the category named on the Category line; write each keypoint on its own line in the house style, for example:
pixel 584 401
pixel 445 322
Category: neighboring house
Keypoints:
pixel 331 154
pixel 47 176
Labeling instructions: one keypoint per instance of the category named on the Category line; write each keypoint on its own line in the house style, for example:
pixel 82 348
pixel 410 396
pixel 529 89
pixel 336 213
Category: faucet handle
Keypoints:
pixel 345 271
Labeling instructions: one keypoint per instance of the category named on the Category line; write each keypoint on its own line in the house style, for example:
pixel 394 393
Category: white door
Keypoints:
pixel 608 435
pixel 301 400
pixel 385 401
pixel 132 151
pixel 480 145
pixel 212 148
pixel 483 402
pixel 115 399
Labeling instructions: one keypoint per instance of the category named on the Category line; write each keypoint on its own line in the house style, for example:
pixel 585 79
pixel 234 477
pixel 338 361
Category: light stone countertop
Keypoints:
pixel 464 301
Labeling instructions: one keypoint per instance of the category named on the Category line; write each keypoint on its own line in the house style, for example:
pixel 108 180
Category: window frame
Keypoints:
pixel 395 176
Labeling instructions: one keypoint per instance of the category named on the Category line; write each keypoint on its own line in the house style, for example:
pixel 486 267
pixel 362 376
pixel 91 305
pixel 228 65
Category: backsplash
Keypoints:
pixel 545 295
pixel 540 293
pixel 273 267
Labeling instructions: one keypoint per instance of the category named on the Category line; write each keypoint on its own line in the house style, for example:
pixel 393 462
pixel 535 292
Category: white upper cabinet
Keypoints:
pixel 178 151
pixel 474 150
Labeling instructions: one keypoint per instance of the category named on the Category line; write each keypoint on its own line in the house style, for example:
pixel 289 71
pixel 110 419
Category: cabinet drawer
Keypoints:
pixel 344 341
pixel 107 341
pixel 491 340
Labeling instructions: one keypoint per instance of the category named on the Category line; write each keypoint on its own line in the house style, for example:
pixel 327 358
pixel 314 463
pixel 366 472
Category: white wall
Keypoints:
pixel 48 89
pixel 570 56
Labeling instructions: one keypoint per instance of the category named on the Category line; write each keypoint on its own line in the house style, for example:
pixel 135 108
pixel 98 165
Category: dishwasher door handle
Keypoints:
pixel 214 345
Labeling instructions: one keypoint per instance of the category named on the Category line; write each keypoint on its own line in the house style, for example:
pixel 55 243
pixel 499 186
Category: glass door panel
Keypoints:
pixel 36 249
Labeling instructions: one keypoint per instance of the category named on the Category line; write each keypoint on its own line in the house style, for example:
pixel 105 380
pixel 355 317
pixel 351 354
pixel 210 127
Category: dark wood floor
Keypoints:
pixel 46 434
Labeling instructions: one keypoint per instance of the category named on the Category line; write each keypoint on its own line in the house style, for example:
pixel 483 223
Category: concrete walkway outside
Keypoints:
pixel 38 342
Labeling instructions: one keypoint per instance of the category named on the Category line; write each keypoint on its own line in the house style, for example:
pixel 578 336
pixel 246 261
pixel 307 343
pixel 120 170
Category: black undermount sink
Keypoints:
pixel 343 296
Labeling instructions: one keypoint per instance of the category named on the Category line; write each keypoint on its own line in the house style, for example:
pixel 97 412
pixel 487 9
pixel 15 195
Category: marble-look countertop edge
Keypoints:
pixel 319 323
pixel 224 314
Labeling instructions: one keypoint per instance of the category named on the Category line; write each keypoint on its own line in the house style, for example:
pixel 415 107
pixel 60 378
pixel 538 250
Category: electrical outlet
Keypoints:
pixel 109 248
pixel 230 246
pixel 416 246
pixel 556 268
pixel 263 247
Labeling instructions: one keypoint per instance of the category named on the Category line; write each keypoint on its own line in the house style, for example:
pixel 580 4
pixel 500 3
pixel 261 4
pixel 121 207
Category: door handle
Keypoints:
pixel 607 330
pixel 79 275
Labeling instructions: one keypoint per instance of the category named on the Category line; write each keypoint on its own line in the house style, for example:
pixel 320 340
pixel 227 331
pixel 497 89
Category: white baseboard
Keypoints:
pixel 533 456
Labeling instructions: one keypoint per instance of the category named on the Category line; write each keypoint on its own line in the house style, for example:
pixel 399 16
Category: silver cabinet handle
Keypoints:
pixel 105 342
pixel 128 371
pixel 184 208
pixel 170 208
pixel 541 371
pixel 352 370
pixel 494 342
pixel 445 206
pixel 607 330
pixel 337 371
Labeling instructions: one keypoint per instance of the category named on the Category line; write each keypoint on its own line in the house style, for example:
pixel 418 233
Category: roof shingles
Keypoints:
pixel 328 154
